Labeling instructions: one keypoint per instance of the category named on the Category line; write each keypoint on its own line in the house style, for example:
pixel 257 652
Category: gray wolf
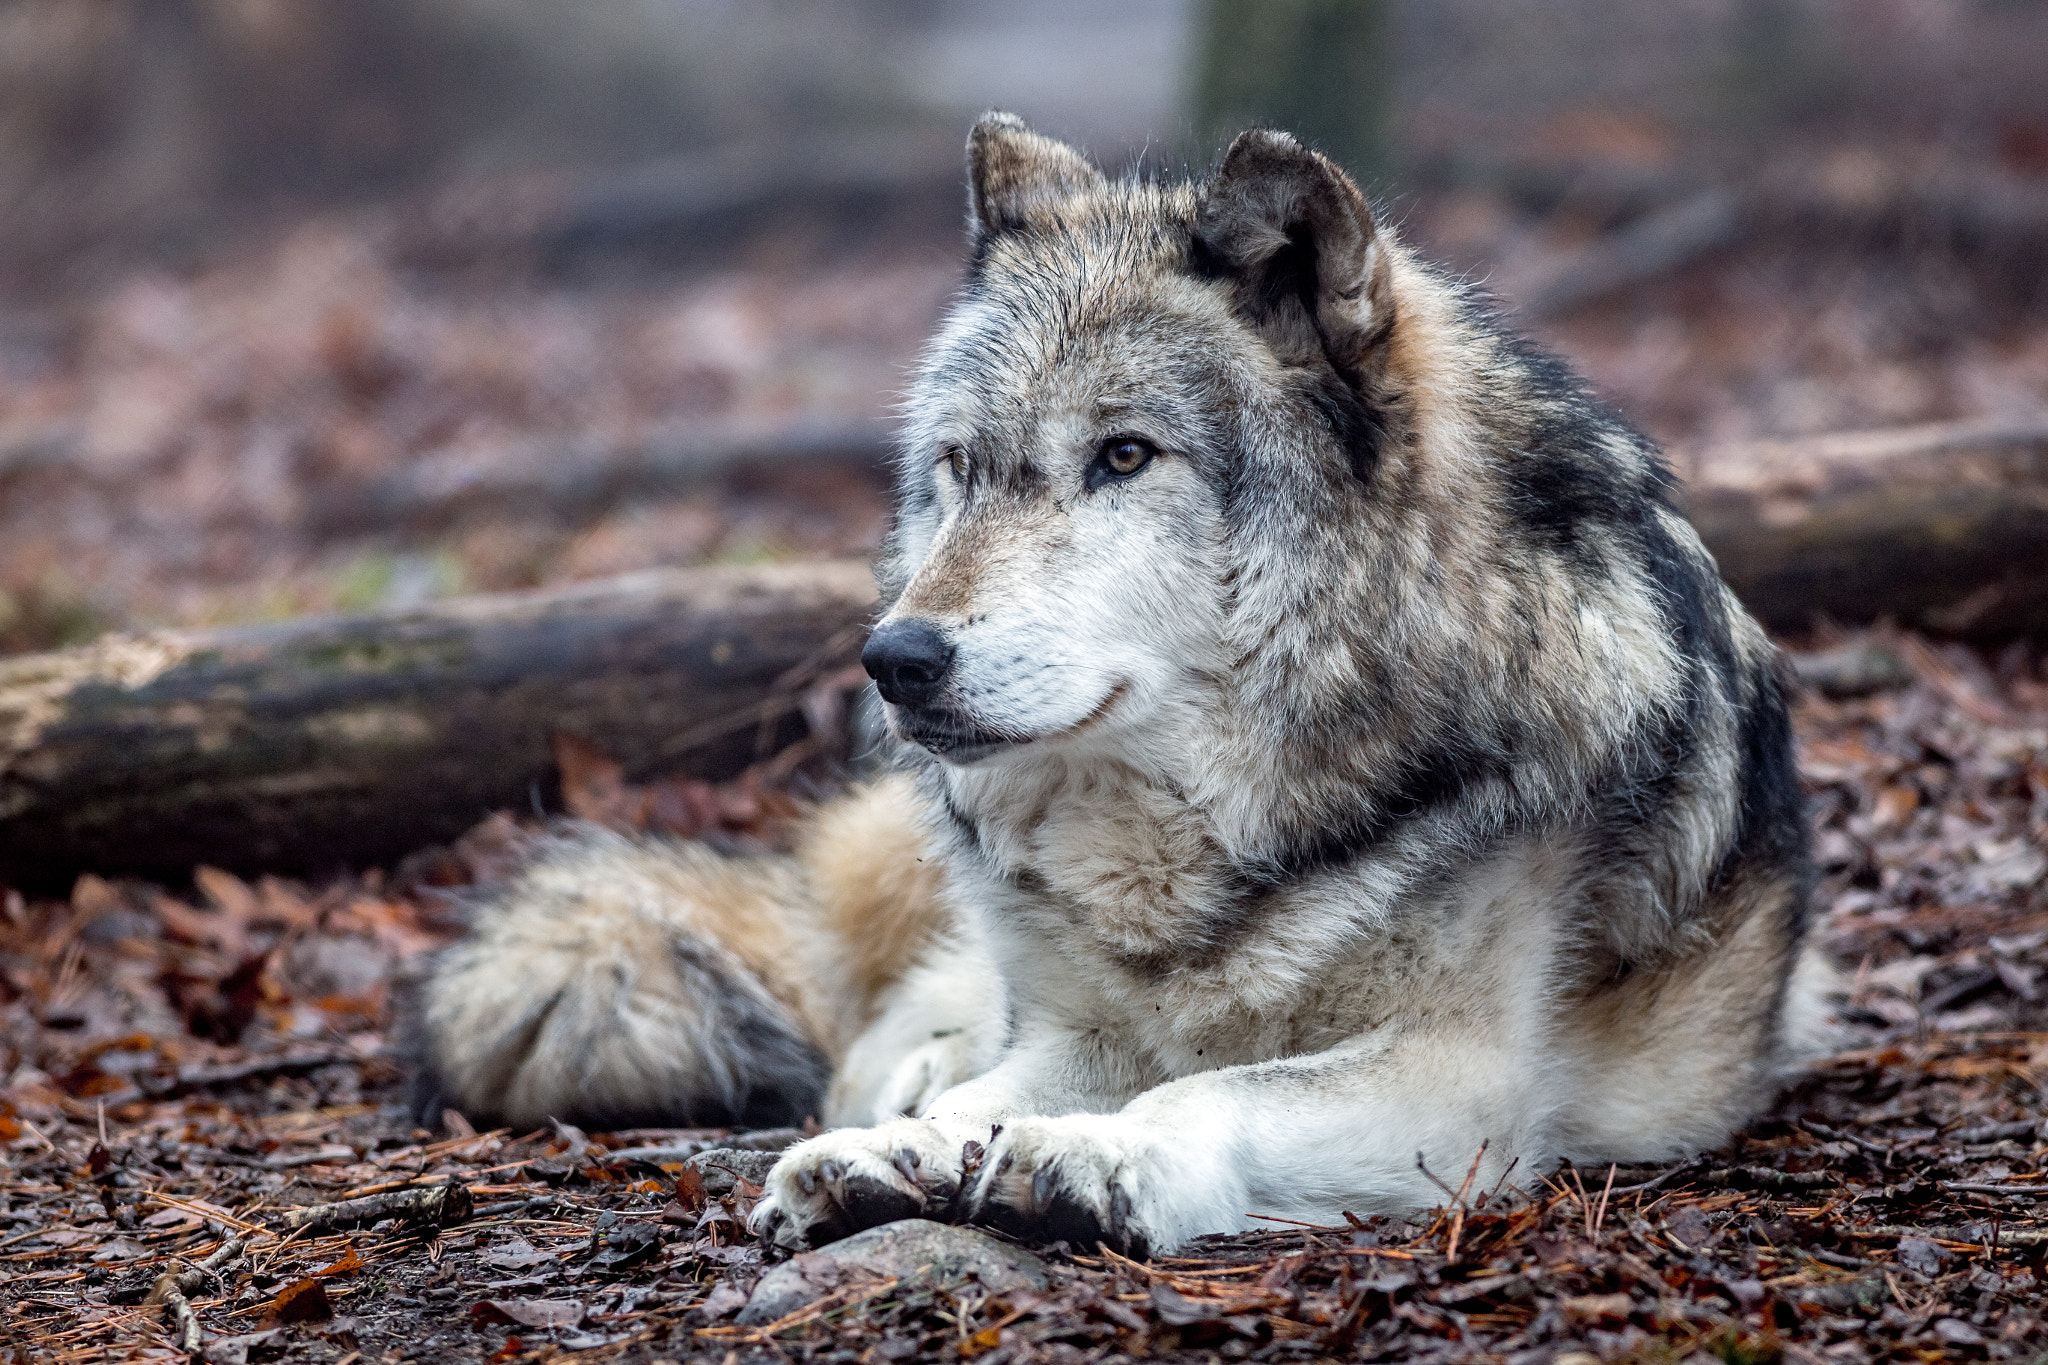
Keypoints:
pixel 1316 741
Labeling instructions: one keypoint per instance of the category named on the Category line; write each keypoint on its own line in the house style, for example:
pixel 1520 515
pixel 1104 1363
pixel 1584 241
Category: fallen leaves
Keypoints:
pixel 1896 1203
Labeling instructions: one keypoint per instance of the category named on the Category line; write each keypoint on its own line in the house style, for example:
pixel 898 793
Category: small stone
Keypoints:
pixel 720 1165
pixel 1923 1256
pixel 1956 1332
pixel 721 1301
pixel 893 1250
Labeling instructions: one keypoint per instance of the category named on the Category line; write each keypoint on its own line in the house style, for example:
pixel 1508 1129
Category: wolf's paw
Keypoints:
pixel 833 1186
pixel 1076 1179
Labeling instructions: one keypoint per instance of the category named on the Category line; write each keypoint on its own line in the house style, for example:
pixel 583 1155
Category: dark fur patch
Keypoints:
pixel 1772 828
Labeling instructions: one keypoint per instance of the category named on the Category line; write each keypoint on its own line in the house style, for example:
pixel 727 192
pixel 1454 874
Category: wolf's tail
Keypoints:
pixel 617 982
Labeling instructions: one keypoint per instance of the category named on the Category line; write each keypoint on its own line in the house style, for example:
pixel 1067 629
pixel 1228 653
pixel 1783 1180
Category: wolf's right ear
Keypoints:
pixel 1013 172
pixel 1299 238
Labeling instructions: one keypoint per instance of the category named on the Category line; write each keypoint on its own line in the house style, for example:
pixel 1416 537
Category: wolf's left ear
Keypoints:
pixel 1013 172
pixel 1300 240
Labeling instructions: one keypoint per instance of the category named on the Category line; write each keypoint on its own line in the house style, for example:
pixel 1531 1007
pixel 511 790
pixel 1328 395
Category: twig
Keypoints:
pixel 1423 1167
pixel 2011 1237
pixel 1827 1134
pixel 173 1292
pixel 208 1213
pixel 1600 1217
pixel 1996 1132
pixel 1585 1205
pixel 441 1205
pixel 193 1078
pixel 1657 1181
pixel 1458 1214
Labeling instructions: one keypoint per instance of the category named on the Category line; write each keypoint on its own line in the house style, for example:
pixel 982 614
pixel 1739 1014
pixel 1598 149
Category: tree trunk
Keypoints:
pixel 1318 68
pixel 314 744
pixel 1942 528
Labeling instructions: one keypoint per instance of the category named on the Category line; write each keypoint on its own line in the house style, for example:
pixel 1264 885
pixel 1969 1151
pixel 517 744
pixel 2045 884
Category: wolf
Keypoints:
pixel 1320 757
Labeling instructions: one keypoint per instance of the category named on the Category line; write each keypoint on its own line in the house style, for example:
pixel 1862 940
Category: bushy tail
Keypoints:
pixel 617 982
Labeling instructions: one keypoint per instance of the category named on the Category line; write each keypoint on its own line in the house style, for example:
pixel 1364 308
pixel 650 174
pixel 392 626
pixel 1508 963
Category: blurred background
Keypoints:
pixel 310 306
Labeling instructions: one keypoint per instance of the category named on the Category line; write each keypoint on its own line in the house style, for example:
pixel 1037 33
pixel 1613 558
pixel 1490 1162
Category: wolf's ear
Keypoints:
pixel 1012 171
pixel 1299 238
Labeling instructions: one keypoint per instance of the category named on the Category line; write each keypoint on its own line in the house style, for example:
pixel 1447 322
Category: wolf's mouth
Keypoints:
pixel 962 739
pixel 951 735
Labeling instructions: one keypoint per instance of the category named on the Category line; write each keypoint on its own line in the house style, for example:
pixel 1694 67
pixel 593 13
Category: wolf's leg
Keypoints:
pixel 1306 1137
pixel 1672 1060
pixel 938 1026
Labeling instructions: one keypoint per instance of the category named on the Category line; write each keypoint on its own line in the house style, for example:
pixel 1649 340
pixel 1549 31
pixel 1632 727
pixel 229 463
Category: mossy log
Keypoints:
pixel 1942 528
pixel 314 744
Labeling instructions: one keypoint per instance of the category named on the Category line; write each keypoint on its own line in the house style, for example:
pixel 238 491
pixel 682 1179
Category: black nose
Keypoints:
pixel 908 661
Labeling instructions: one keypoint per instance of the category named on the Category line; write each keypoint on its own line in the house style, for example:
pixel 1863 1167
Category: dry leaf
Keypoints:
pixel 300 1301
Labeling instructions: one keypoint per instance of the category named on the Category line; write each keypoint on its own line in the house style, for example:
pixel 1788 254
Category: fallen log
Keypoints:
pixel 1941 528
pixel 588 479
pixel 309 745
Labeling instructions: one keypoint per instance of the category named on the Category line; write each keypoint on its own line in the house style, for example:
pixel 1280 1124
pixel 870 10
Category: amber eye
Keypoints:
pixel 955 460
pixel 1119 458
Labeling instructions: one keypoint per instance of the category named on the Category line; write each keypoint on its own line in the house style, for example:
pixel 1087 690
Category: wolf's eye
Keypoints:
pixel 1119 458
pixel 955 460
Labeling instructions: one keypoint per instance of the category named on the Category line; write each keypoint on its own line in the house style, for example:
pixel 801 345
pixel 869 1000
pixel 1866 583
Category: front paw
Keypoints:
pixel 833 1186
pixel 1076 1180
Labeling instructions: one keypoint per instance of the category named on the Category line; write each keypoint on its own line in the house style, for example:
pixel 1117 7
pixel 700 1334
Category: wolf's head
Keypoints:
pixel 1138 382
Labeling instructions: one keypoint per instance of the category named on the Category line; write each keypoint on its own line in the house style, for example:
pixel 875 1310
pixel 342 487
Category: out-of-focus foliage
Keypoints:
pixel 1319 68
pixel 163 118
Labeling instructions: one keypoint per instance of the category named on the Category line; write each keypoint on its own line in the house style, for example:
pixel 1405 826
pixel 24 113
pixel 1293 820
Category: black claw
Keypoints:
pixel 906 1162
pixel 806 1180
pixel 1042 1188
pixel 862 1202
pixel 1057 1215
pixel 831 1171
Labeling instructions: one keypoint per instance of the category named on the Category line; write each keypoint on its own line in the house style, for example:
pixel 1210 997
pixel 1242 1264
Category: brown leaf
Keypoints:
pixel 690 1190
pixel 300 1301
pixel 1895 805
pixel 229 894
pixel 593 786
pixel 987 1339
pixel 207 928
pixel 351 1261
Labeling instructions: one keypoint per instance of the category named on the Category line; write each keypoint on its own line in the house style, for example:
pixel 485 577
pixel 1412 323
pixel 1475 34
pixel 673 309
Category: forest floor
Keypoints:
pixel 182 1067
pixel 192 1069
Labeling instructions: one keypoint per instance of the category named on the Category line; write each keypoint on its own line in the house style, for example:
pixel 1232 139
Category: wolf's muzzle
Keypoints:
pixel 909 661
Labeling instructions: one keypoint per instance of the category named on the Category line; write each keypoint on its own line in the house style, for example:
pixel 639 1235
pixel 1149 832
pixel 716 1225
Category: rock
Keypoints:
pixel 894 1249
pixel 719 1165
